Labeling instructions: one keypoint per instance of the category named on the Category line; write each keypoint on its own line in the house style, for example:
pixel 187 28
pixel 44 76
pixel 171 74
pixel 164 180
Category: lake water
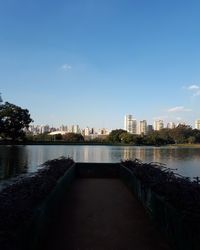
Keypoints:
pixel 15 160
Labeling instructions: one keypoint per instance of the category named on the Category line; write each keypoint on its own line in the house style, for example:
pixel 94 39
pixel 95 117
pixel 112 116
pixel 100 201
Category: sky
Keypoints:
pixel 90 62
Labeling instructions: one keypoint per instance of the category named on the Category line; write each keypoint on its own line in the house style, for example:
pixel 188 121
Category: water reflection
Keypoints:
pixel 20 159
pixel 135 152
pixel 13 161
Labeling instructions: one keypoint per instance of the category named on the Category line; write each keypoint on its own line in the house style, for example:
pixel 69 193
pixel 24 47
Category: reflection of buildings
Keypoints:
pixel 96 154
pixel 86 154
pixel 142 154
pixel 130 153
pixel 156 154
pixel 130 125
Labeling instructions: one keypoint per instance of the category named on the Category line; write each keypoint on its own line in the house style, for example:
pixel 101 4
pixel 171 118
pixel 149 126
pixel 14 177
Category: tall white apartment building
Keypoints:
pixel 197 124
pixel 76 129
pixel 130 124
pixel 63 128
pixel 158 125
pixel 87 131
pixel 143 127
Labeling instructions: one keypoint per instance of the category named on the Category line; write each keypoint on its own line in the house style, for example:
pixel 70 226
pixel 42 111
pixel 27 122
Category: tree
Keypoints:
pixel 128 138
pixel 181 133
pixel 196 134
pixel 154 138
pixel 72 137
pixel 165 134
pixel 116 135
pixel 13 121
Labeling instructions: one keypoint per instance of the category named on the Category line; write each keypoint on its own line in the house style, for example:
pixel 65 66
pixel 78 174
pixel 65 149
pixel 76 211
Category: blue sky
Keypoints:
pixel 91 62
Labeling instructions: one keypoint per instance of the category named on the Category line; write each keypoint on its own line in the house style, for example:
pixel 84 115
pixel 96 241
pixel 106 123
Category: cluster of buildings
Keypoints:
pixel 92 132
pixel 130 124
pixel 134 127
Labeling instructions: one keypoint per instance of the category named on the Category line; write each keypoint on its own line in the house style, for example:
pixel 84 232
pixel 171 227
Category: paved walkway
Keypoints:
pixel 103 214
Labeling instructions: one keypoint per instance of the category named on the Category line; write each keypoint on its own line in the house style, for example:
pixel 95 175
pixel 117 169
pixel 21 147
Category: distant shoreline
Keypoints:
pixel 94 144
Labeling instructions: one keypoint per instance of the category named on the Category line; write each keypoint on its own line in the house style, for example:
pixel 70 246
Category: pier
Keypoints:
pixel 95 211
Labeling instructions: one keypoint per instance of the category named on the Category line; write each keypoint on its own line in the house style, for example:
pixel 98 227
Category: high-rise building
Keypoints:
pixel 158 125
pixel 103 131
pixel 63 128
pixel 87 131
pixel 45 129
pixel 197 124
pixel 76 129
pixel 143 127
pixel 130 124
pixel 150 128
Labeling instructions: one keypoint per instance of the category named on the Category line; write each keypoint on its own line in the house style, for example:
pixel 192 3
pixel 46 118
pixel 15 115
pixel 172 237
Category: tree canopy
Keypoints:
pixel 178 135
pixel 117 135
pixel 13 121
pixel 72 137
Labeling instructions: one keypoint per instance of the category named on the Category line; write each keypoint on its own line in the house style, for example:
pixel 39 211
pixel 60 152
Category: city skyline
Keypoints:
pixel 90 62
pixel 131 125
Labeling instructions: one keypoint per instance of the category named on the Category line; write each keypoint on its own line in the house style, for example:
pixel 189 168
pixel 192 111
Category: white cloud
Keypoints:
pixel 66 67
pixel 193 87
pixel 178 109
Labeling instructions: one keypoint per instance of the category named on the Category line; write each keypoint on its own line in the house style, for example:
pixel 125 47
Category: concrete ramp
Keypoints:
pixel 102 214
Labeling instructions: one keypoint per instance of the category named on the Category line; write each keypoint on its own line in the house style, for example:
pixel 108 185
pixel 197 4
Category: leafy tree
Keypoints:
pixel 72 137
pixel 58 137
pixel 13 121
pixel 155 138
pixel 191 140
pixel 116 135
pixel 181 133
pixel 139 140
pixel 128 138
pixel 40 137
pixel 196 134
pixel 165 134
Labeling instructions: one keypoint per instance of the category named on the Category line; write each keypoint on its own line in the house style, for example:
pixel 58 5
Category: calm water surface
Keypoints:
pixel 15 160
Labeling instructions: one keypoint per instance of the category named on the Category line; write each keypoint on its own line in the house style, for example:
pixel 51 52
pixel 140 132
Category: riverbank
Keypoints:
pixel 185 145
pixel 88 143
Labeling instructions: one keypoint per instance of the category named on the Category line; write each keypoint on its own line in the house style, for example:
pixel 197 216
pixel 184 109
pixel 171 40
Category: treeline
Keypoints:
pixel 182 134
pixel 69 137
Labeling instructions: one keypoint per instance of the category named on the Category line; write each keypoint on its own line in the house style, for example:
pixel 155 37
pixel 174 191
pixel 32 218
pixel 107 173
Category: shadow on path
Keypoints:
pixel 102 214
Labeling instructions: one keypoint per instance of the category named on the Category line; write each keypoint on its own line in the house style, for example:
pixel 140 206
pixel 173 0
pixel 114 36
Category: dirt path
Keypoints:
pixel 103 214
